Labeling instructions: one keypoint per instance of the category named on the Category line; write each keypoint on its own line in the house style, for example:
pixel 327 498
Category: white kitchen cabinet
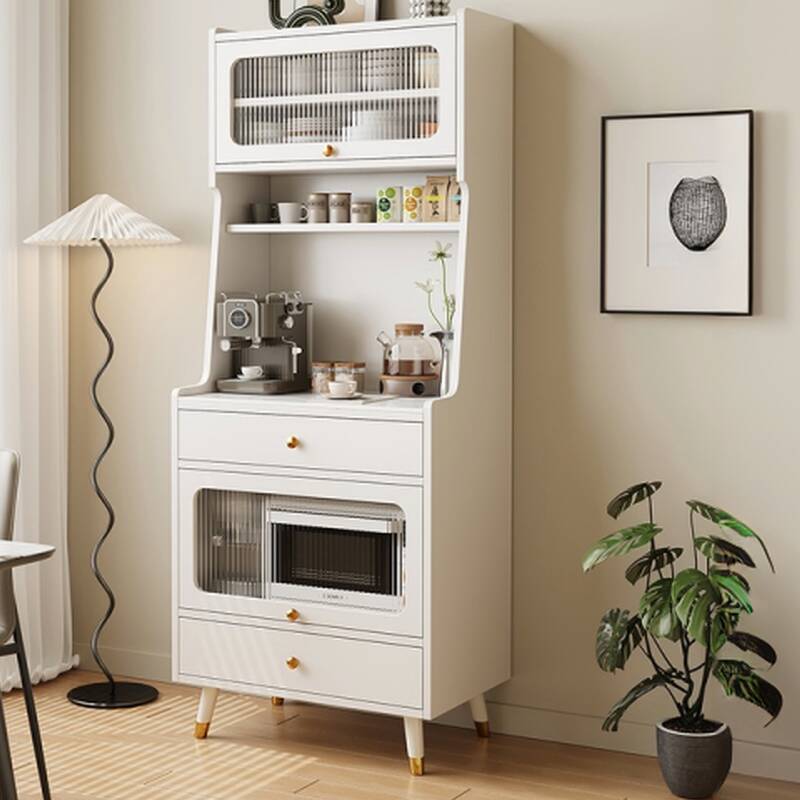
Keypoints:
pixel 356 554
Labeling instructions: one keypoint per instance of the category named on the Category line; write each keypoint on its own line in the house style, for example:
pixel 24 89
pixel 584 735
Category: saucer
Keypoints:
pixel 356 396
pixel 248 378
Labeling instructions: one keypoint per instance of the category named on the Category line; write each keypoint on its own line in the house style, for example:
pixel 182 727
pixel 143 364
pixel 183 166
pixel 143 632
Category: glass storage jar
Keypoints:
pixel 322 374
pixel 355 371
pixel 409 353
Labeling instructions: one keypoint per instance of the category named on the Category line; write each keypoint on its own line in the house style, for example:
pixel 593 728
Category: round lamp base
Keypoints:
pixel 112 695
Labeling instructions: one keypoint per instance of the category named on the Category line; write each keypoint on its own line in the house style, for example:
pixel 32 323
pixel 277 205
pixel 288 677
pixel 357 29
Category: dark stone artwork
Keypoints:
pixel 698 212
pixel 314 14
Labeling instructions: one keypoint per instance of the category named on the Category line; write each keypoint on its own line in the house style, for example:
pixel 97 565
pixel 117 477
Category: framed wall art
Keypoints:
pixel 677 213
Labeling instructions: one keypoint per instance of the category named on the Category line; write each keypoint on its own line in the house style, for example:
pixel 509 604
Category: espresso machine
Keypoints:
pixel 270 341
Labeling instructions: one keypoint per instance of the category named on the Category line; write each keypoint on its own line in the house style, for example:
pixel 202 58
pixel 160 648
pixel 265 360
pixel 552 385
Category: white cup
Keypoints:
pixel 292 213
pixel 251 373
pixel 342 388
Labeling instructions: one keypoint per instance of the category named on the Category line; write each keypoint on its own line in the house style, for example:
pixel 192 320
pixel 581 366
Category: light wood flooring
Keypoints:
pixel 258 752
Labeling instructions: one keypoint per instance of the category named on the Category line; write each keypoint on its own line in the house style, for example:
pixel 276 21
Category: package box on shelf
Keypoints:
pixel 453 201
pixel 434 201
pixel 389 201
pixel 412 203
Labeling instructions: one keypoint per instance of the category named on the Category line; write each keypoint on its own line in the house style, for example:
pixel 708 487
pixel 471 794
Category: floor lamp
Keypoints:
pixel 106 222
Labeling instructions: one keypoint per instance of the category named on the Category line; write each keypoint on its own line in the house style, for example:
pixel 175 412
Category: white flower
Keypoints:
pixel 426 286
pixel 441 252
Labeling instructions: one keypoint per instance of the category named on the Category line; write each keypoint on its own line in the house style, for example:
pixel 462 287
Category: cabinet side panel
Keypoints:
pixel 469 434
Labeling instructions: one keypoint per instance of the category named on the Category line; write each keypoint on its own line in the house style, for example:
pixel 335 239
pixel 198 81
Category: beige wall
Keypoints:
pixel 708 405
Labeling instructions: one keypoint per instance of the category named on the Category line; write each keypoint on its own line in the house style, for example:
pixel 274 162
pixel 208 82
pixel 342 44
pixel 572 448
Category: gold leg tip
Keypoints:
pixel 417 766
pixel 201 729
pixel 277 701
pixel 483 729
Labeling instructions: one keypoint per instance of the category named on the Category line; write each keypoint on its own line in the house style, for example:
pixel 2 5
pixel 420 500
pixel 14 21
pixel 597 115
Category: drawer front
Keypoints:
pixel 323 665
pixel 306 442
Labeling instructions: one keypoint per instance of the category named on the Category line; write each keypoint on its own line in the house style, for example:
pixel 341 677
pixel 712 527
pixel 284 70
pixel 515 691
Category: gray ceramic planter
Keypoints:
pixel 694 765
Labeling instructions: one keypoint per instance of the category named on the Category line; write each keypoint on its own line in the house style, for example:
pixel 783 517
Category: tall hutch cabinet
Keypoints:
pixel 355 554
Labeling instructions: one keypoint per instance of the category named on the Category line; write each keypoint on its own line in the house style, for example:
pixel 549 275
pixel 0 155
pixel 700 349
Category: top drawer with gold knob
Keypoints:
pixel 353 445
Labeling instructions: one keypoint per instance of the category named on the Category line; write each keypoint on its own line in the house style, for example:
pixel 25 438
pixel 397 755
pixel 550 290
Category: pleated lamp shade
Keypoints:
pixel 102 217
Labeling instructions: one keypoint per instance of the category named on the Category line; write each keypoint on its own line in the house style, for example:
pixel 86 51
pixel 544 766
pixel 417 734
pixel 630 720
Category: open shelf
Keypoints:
pixel 348 227
pixel 375 95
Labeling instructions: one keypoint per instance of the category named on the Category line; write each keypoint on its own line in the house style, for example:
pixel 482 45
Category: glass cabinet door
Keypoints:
pixel 344 556
pixel 378 94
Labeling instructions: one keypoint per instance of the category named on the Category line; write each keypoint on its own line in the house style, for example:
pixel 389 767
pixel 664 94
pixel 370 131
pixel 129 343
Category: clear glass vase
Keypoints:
pixel 445 339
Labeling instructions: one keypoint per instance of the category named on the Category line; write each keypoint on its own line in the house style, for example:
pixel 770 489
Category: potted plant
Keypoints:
pixel 685 619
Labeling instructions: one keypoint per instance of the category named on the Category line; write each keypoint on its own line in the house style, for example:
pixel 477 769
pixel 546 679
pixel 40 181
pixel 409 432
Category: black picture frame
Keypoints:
pixel 605 119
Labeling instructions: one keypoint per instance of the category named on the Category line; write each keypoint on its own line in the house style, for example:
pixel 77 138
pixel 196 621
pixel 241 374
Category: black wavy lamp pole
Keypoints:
pixel 104 221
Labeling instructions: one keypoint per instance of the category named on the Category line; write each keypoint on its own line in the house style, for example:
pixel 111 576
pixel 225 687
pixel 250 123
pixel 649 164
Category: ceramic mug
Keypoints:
pixel 292 213
pixel 362 212
pixel 339 207
pixel 342 388
pixel 317 205
pixel 261 213
pixel 251 373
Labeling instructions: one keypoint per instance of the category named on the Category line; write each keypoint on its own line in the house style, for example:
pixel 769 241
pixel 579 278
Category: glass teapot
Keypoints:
pixel 410 352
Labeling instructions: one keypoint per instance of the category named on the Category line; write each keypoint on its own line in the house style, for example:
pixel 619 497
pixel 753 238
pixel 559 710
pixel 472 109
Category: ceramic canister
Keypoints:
pixel 362 212
pixel 389 204
pixel 317 207
pixel 339 207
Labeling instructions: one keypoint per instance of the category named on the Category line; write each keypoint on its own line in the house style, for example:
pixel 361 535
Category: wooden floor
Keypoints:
pixel 257 752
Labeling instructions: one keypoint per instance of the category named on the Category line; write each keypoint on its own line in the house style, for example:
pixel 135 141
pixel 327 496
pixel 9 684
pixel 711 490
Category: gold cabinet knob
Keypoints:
pixel 292 615
pixel 293 443
pixel 292 663
pixel 328 151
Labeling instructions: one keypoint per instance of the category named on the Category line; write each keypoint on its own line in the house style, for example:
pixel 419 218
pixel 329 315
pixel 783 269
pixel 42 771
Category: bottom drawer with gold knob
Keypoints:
pixel 303 662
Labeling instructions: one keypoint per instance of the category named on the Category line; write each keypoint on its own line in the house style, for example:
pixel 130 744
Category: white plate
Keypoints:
pixel 356 396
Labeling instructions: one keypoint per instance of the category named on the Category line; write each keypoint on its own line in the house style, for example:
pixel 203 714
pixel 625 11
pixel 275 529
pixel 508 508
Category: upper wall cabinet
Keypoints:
pixel 370 94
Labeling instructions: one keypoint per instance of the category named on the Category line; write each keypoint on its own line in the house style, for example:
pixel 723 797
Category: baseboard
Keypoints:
pixel 749 758
pixel 129 663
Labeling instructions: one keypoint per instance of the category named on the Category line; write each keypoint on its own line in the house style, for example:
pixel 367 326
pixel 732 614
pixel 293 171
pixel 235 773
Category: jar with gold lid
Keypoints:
pixel 322 373
pixel 355 371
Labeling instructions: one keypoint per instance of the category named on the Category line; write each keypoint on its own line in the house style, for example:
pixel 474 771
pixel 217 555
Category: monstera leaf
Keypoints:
pixel 619 633
pixel 723 624
pixel 656 612
pixel 727 521
pixel 733 587
pixel 694 595
pixel 620 543
pixel 631 496
pixel 656 559
pixel 721 551
pixel 642 688
pixel 753 644
pixel 740 680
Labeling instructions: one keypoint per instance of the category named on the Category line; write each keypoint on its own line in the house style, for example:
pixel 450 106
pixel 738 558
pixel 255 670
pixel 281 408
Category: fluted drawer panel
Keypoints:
pixel 319 442
pixel 325 665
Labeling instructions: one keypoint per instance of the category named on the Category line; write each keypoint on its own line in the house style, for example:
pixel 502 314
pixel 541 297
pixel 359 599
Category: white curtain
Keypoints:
pixel 33 316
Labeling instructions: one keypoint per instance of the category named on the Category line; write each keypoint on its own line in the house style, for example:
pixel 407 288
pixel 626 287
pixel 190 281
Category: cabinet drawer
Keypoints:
pixel 325 665
pixel 307 442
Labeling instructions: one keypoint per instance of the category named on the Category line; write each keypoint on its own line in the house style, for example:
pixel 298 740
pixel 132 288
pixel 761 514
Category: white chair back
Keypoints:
pixel 9 480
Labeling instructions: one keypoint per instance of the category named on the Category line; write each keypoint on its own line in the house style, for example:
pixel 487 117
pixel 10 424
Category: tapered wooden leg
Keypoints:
pixel 415 745
pixel 277 701
pixel 205 711
pixel 480 716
